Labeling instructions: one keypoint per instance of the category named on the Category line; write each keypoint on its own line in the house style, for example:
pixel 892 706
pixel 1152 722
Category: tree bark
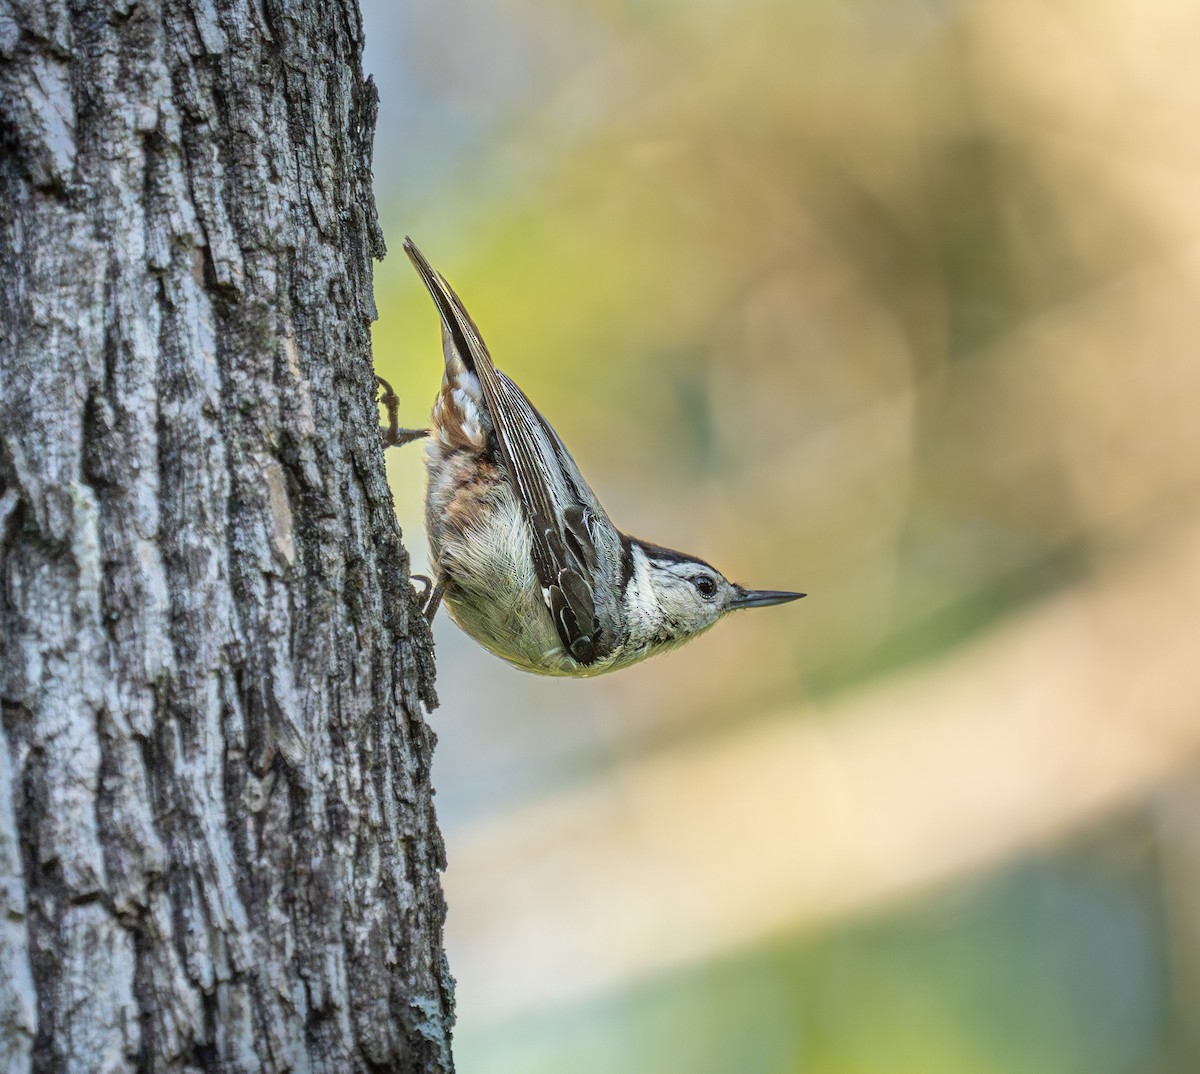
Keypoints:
pixel 218 849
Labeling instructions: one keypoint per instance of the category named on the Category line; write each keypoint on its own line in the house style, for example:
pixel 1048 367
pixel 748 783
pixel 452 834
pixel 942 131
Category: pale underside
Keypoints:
pixel 482 552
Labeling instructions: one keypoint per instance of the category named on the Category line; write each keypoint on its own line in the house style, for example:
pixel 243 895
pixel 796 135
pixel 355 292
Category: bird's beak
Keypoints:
pixel 760 598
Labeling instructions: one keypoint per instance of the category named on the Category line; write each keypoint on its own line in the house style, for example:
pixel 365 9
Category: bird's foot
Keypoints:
pixel 431 595
pixel 392 434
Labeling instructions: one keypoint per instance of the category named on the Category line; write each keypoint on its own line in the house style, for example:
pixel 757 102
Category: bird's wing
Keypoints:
pixel 562 512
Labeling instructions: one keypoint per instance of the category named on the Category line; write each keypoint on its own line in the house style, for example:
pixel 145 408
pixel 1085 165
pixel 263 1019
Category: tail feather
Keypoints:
pixel 458 329
pixel 460 414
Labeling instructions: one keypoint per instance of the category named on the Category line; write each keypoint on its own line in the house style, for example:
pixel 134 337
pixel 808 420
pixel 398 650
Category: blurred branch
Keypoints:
pixel 1057 718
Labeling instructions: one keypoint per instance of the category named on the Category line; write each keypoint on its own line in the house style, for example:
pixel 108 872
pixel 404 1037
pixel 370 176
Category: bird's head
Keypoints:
pixel 672 596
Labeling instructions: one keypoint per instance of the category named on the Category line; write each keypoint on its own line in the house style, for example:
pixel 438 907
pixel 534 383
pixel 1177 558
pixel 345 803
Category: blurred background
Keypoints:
pixel 894 302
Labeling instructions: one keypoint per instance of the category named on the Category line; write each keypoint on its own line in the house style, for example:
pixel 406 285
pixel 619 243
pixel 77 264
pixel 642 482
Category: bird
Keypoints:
pixel 524 556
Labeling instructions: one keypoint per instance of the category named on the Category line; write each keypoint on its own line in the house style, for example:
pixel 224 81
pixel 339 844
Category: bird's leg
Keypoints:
pixel 426 585
pixel 393 435
pixel 435 600
pixel 431 595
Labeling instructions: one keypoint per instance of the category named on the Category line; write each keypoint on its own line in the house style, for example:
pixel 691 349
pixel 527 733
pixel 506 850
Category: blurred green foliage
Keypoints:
pixel 1058 966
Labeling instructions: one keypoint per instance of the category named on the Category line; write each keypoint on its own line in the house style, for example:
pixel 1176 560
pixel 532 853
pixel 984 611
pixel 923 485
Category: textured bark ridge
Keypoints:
pixel 218 850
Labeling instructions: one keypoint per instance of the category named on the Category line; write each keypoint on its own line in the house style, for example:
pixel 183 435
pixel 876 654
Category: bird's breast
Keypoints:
pixel 482 552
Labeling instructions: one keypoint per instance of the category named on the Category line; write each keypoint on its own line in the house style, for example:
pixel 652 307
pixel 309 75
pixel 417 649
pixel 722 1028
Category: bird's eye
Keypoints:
pixel 705 586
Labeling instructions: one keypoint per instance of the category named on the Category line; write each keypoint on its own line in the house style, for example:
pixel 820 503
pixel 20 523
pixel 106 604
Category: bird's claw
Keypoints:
pixel 392 434
pixel 430 596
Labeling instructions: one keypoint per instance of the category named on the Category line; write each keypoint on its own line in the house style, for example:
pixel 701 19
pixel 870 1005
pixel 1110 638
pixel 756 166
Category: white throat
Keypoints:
pixel 643 611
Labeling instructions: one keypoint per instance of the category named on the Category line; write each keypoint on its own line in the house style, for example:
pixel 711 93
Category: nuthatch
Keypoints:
pixel 524 556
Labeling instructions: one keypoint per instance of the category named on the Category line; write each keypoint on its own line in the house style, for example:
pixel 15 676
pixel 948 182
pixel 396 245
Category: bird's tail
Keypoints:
pixel 460 415
pixel 459 329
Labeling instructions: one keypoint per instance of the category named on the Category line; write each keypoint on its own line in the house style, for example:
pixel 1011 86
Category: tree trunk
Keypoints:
pixel 217 842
